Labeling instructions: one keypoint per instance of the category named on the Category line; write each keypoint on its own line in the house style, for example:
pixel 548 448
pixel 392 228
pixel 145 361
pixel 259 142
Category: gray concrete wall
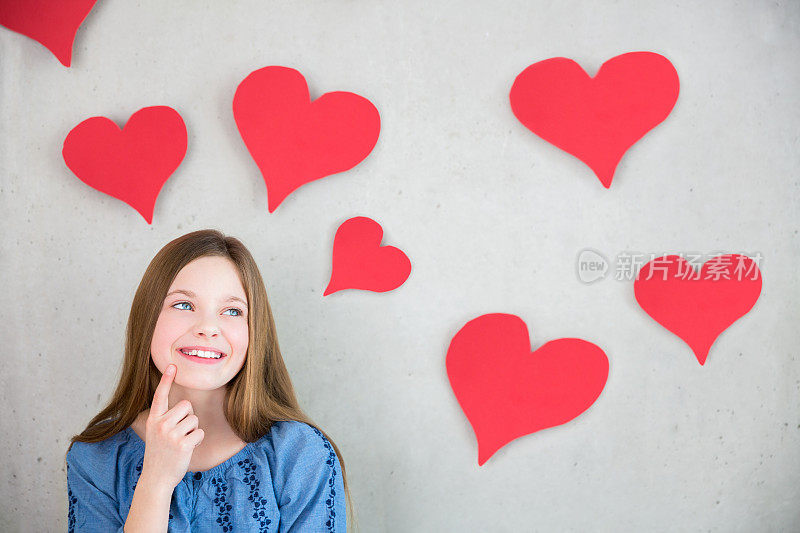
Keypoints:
pixel 493 219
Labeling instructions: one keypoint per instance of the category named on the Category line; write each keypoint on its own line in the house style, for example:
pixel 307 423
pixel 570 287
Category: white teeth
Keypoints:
pixel 201 353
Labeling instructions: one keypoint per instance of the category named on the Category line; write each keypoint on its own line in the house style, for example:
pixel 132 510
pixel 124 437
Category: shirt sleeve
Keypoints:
pixel 90 508
pixel 308 481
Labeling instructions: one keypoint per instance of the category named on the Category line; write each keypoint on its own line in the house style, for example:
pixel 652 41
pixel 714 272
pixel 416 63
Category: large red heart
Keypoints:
pixel 507 392
pixel 293 140
pixel 359 262
pixel 132 163
pixel 53 23
pixel 698 306
pixel 596 119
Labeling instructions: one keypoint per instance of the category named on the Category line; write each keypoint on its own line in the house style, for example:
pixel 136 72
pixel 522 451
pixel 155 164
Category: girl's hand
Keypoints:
pixel 172 435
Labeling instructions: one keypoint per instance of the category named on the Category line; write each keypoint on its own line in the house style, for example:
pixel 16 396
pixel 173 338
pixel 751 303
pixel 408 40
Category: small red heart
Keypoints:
pixel 507 392
pixel 52 23
pixel 133 163
pixel 596 119
pixel 359 262
pixel 698 306
pixel 294 140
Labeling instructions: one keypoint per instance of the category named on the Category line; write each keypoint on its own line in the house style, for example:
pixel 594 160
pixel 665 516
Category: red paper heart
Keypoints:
pixel 293 140
pixel 359 262
pixel 132 163
pixel 596 119
pixel 507 392
pixel 698 306
pixel 53 23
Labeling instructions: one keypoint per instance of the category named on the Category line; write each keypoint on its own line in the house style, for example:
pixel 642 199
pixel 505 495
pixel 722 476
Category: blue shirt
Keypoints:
pixel 288 480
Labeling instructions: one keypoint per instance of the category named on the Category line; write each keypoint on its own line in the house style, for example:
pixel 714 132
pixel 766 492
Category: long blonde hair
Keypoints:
pixel 260 394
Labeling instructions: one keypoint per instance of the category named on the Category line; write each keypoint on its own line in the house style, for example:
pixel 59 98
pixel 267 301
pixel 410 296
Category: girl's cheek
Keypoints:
pixel 174 320
pixel 242 337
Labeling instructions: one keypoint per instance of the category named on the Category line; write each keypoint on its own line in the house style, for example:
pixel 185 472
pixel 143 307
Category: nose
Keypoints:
pixel 207 332
pixel 206 326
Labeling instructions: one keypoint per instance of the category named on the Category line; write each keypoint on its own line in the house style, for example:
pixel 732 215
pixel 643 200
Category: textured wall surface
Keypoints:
pixel 492 218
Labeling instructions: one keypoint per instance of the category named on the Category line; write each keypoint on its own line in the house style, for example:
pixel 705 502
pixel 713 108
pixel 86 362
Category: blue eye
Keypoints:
pixel 239 311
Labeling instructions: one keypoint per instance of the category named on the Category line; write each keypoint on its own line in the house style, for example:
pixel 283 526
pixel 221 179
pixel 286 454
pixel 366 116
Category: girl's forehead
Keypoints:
pixel 210 273
pixel 209 264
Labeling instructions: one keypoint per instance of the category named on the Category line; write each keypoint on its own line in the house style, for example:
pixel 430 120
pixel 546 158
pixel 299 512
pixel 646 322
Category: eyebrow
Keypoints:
pixel 190 294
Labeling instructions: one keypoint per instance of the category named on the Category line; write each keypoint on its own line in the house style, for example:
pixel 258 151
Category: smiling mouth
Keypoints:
pixel 202 354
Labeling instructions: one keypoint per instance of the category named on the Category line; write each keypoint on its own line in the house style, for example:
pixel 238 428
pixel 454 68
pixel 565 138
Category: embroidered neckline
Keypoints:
pixel 205 475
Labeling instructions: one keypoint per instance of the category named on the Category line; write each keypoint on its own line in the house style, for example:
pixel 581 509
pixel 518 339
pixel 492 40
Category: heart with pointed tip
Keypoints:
pixel 52 23
pixel 360 262
pixel 294 140
pixel 698 306
pixel 130 163
pixel 596 119
pixel 506 391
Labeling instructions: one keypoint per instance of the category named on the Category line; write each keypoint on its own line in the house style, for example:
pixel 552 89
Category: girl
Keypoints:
pixel 203 432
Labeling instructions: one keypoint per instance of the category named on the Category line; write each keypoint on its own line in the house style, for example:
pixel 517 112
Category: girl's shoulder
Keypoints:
pixel 293 429
pixel 292 444
pixel 98 452
pixel 104 464
pixel 293 436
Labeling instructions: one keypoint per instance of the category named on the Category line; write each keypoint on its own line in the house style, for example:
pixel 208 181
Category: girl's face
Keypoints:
pixel 205 308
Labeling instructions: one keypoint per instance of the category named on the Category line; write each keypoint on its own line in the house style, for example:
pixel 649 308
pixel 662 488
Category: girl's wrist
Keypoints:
pixel 155 485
